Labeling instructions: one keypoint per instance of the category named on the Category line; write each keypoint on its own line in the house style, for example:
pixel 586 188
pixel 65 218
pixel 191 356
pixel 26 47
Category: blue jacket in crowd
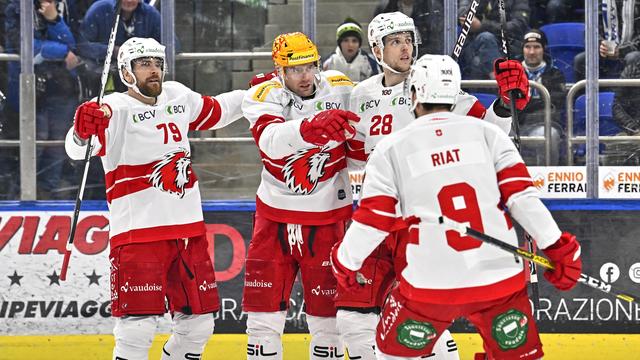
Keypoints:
pixel 96 28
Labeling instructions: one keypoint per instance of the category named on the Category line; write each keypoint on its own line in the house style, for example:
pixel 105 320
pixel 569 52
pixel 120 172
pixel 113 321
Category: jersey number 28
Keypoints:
pixel 381 124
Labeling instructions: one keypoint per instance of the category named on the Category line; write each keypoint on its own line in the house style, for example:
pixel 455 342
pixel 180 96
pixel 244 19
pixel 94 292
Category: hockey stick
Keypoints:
pixel 533 271
pixel 466 27
pixel 542 261
pixel 505 50
pixel 87 155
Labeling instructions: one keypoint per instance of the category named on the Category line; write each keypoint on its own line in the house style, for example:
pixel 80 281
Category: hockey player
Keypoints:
pixel 447 164
pixel 383 103
pixel 299 123
pixel 157 233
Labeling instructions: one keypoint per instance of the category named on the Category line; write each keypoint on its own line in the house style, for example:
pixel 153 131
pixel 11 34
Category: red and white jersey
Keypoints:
pixel 152 190
pixel 464 169
pixel 384 110
pixel 301 183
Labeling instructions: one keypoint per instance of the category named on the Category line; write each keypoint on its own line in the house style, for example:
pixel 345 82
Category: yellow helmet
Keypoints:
pixel 293 49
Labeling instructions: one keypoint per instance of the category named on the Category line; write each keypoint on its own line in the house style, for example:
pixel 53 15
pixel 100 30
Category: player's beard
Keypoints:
pixel 152 89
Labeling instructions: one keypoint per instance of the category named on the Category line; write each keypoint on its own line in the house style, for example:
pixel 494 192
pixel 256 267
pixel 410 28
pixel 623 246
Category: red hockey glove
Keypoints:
pixel 262 77
pixel 346 278
pixel 91 119
pixel 565 254
pixel 328 125
pixel 511 76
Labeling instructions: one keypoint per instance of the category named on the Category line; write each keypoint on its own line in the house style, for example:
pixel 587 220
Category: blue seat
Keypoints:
pixel 485 99
pixel 607 124
pixel 564 34
pixel 564 42
pixel 563 56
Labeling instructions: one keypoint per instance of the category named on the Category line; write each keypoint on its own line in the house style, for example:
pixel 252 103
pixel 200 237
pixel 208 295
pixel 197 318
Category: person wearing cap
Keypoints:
pixel 538 66
pixel 349 58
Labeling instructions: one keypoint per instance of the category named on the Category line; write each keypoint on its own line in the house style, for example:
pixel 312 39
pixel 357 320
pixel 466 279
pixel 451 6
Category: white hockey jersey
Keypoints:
pixel 462 168
pixel 300 183
pixel 152 190
pixel 384 110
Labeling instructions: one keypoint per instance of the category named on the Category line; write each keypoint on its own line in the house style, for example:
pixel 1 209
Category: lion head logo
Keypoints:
pixel 304 168
pixel 173 172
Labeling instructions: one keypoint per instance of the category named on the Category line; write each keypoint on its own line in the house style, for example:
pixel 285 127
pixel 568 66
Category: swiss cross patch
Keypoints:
pixel 438 132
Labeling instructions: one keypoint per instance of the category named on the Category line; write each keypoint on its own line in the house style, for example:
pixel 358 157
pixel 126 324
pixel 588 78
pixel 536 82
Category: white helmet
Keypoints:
pixel 435 79
pixel 136 48
pixel 390 23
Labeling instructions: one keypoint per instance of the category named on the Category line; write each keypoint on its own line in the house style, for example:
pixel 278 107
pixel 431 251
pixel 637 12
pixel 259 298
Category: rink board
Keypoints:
pixel 232 347
pixel 33 235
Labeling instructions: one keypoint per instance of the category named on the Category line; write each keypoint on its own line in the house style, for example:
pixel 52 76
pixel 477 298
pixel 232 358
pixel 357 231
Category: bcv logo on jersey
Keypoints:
pixel 400 100
pixel 327 105
pixel 174 109
pixel 370 104
pixel 146 115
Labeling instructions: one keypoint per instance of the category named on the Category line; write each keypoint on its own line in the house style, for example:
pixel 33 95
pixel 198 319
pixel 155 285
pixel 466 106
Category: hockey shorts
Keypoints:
pixel 410 328
pixel 276 252
pixel 143 274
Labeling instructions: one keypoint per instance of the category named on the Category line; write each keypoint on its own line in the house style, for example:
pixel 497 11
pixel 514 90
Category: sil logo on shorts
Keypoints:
pixel 509 329
pixel 415 334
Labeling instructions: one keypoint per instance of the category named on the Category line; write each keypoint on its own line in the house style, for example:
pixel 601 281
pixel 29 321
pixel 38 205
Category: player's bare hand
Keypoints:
pixel 48 10
pixel 71 61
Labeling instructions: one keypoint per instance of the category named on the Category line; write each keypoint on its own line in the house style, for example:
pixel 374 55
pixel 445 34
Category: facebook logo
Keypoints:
pixel 609 272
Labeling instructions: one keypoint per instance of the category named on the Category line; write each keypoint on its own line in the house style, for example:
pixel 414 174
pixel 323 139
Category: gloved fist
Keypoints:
pixel 329 125
pixel 510 75
pixel 565 255
pixel 346 278
pixel 262 77
pixel 91 119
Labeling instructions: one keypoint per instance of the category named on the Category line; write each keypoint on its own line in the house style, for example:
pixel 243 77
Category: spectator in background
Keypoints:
pixel 56 83
pixel 137 19
pixel 626 113
pixel 482 46
pixel 626 52
pixel 539 68
pixel 349 58
pixel 427 16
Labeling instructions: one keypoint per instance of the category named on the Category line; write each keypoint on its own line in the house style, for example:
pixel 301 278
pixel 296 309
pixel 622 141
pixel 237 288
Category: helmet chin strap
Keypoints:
pixel 134 85
pixel 382 63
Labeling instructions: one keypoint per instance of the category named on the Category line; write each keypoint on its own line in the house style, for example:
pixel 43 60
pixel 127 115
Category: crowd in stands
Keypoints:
pixel 70 39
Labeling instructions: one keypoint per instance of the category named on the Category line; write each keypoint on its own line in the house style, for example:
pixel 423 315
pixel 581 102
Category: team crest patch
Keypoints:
pixel 510 329
pixel 415 334
pixel 173 174
pixel 304 169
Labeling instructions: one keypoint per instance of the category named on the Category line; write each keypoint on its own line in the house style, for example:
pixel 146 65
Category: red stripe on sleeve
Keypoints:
pixel 365 213
pixel 477 110
pixel 367 217
pixel 209 115
pixel 518 170
pixel 262 123
pixel 513 180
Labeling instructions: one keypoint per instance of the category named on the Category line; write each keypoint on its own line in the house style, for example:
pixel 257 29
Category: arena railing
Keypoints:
pixel 546 98
pixel 571 94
